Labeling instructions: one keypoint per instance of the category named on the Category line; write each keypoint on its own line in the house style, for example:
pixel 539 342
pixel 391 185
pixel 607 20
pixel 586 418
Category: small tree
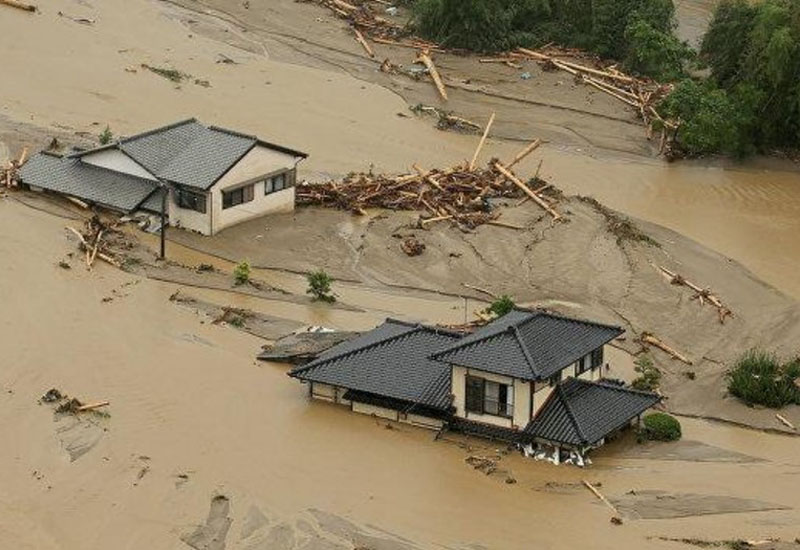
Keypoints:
pixel 105 136
pixel 319 286
pixel 649 376
pixel 241 273
pixel 661 427
pixel 501 306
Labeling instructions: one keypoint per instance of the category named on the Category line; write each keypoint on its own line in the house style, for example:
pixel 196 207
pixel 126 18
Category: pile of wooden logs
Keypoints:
pixel 459 194
pixel 640 93
pixel 365 21
pixel 95 240
pixel 8 173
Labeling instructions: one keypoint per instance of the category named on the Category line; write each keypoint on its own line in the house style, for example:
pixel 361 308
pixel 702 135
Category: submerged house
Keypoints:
pixel 214 177
pixel 528 377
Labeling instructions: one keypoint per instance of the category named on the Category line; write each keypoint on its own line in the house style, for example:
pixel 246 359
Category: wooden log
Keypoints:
pixel 92 406
pixel 427 177
pixel 600 495
pixel 96 247
pixel 437 80
pixel 652 340
pixel 78 202
pixel 785 422
pixel 19 5
pixel 23 157
pixel 79 234
pixel 530 148
pixel 536 198
pixel 481 143
pixel 364 44
pixel 506 225
pixel 436 219
pixel 344 5
pixel 380 40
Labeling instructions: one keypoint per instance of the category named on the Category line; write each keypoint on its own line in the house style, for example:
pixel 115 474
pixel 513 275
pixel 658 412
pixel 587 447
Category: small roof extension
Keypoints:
pixel 528 344
pixel 580 413
pixel 391 361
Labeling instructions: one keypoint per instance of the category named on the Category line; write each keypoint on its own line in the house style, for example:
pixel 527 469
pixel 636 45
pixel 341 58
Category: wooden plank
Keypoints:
pixel 364 44
pixel 536 198
pixel 600 495
pixel 481 143
pixel 530 148
pixel 92 406
pixel 437 80
pixel 19 5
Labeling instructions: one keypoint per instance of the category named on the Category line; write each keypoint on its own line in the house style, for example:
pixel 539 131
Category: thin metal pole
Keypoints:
pixel 163 219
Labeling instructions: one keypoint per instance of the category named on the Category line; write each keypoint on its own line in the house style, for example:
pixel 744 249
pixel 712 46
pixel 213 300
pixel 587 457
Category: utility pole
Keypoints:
pixel 164 194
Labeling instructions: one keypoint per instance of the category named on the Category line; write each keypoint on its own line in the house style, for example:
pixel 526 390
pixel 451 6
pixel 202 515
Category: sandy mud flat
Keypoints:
pixel 204 447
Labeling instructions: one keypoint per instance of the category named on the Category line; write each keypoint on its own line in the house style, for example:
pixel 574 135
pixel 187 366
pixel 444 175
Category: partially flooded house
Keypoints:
pixel 213 177
pixel 528 377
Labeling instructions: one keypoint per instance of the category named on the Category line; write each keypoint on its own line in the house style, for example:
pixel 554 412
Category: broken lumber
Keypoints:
pixel 649 338
pixel 78 202
pixel 785 422
pixel 426 60
pixel 92 406
pixel 481 142
pixel 600 496
pixel 536 198
pixel 19 5
pixel 530 148
pixel 364 44
pixel 701 294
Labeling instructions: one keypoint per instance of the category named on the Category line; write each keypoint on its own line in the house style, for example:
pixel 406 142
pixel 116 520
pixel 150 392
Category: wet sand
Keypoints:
pixel 191 407
pixel 201 418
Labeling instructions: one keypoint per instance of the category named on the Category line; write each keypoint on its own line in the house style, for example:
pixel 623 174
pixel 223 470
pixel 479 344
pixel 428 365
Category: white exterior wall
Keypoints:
pixel 380 412
pixel 187 218
pixel 260 161
pixel 542 391
pixel 116 160
pixel 522 396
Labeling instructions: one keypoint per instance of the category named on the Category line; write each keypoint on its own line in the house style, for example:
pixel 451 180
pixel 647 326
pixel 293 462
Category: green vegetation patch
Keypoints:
pixel 760 378
pixel 661 427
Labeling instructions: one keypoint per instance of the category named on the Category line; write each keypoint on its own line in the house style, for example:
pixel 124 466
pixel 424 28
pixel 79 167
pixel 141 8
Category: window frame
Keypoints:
pixel 247 193
pixel 199 201
pixel 554 379
pixel 597 357
pixel 287 177
pixel 502 406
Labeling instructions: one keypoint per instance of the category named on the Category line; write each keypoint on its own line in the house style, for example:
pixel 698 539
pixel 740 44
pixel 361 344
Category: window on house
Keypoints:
pixel 555 378
pixel 191 200
pixel 277 183
pixel 237 196
pixel 582 365
pixel 488 397
pixel 597 357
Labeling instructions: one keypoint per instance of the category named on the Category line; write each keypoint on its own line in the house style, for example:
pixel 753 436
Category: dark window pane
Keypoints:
pixel 555 379
pixel 269 186
pixel 597 357
pixel 474 394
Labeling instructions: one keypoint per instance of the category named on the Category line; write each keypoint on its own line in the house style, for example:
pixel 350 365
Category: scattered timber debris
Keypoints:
pixel 785 422
pixel 647 338
pixel 8 173
pixel 425 58
pixel 301 347
pixel 459 194
pixel 482 463
pixel 95 241
pixel 447 120
pixel 412 247
pixel 19 5
pixel 623 228
pixel 702 295
pixel 81 20
pixel 233 316
pixel 66 405
pixel 640 93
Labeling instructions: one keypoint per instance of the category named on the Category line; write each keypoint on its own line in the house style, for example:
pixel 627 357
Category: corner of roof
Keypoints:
pixel 84 152
pixel 565 404
pixel 232 132
pixel 554 315
pixel 528 359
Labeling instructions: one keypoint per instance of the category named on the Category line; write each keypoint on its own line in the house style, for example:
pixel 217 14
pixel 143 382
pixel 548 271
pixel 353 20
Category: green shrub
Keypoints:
pixel 319 286
pixel 649 376
pixel 760 378
pixel 661 427
pixel 105 136
pixel 501 306
pixel 653 52
pixel 241 273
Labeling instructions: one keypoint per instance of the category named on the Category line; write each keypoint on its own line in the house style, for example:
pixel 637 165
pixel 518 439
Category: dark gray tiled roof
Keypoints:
pixel 90 183
pixel 531 345
pixel 391 361
pixel 153 202
pixel 581 413
pixel 190 153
